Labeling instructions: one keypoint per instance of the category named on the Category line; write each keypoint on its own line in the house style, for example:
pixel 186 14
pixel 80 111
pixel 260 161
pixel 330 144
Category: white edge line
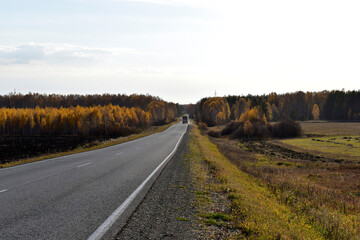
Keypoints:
pixel 119 153
pixel 100 232
pixel 4 190
pixel 83 165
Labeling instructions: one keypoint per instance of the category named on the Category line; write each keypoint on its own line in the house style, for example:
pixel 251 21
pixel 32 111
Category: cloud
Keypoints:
pixel 49 53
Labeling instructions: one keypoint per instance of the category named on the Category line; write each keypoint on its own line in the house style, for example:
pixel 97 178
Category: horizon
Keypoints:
pixel 222 96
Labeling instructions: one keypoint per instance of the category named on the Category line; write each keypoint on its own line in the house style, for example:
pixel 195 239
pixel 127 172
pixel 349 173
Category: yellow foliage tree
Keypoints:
pixel 316 112
pixel 211 109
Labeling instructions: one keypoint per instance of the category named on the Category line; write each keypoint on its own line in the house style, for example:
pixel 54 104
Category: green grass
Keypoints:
pixel 211 221
pixel 97 145
pixel 337 145
pixel 183 219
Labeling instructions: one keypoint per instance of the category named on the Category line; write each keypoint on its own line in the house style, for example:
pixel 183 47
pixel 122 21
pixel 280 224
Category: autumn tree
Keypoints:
pixel 3 119
pixel 316 112
pixel 215 110
pixel 239 108
pixel 94 121
pixel 270 111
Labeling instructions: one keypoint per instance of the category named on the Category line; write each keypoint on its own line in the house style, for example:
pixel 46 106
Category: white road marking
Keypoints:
pixel 100 232
pixel 4 190
pixel 119 153
pixel 83 165
pixel 37 162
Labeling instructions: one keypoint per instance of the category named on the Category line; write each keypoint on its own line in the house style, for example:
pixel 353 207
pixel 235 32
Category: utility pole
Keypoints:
pixel 215 93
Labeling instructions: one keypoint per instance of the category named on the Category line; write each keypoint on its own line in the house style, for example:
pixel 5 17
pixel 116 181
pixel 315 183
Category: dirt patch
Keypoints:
pixel 275 150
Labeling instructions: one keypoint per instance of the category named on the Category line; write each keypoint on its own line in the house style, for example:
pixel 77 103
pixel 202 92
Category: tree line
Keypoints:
pixel 325 105
pixel 32 100
pixel 95 121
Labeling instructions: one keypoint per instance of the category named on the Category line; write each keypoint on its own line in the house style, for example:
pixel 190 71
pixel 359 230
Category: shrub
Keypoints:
pixel 230 128
pixel 260 130
pixel 202 126
pixel 214 134
pixel 286 129
pixel 238 133
pixel 248 129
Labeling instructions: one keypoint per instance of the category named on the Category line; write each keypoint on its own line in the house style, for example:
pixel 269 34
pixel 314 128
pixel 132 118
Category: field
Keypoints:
pixel 328 139
pixel 314 179
pixel 324 128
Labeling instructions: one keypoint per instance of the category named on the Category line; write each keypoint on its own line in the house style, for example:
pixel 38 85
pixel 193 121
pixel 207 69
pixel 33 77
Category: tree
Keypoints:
pixel 316 112
pixel 211 109
pixel 270 112
pixel 3 119
pixel 239 108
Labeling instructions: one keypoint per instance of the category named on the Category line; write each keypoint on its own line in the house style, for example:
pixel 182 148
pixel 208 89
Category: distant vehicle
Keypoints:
pixel 185 119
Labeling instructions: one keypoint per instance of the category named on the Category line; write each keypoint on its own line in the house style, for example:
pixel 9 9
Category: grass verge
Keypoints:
pixel 93 146
pixel 237 202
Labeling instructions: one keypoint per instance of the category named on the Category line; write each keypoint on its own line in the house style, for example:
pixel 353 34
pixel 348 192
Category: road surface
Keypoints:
pixel 82 196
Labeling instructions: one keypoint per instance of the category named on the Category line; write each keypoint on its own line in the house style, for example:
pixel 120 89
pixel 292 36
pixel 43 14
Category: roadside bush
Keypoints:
pixel 203 126
pixel 286 129
pixel 253 129
pixel 259 129
pixel 238 133
pixel 231 127
pixel 215 134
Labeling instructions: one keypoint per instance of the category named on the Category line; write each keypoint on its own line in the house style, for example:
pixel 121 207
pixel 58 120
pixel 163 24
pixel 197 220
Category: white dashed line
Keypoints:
pixel 83 165
pixel 4 190
pixel 119 153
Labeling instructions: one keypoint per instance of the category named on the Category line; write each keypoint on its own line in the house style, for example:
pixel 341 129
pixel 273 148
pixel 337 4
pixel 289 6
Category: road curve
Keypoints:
pixel 72 197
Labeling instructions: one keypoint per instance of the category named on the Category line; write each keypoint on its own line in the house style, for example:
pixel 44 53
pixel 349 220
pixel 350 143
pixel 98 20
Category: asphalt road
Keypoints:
pixel 72 197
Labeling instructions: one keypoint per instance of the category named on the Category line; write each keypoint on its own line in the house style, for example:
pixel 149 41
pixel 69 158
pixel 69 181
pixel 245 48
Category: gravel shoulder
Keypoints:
pixel 167 211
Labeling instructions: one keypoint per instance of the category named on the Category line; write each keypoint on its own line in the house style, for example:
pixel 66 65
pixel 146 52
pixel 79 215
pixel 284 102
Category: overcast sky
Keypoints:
pixel 179 50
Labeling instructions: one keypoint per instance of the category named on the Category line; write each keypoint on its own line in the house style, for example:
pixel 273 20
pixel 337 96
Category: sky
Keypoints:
pixel 179 50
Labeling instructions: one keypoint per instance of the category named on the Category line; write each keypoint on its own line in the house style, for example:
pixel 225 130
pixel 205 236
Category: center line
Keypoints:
pixel 4 190
pixel 84 164
pixel 119 153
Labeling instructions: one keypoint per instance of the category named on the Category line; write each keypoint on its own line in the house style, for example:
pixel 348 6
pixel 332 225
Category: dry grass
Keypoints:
pixel 327 195
pixel 331 128
pixel 94 146
pixel 256 212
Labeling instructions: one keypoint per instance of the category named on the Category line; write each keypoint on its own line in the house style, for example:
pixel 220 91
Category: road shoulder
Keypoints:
pixel 168 210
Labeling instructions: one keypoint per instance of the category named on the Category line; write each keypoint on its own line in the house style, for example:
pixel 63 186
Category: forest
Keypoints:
pixel 32 100
pixel 97 121
pixel 37 124
pixel 299 106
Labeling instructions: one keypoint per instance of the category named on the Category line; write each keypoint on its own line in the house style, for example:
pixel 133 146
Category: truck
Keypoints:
pixel 185 119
